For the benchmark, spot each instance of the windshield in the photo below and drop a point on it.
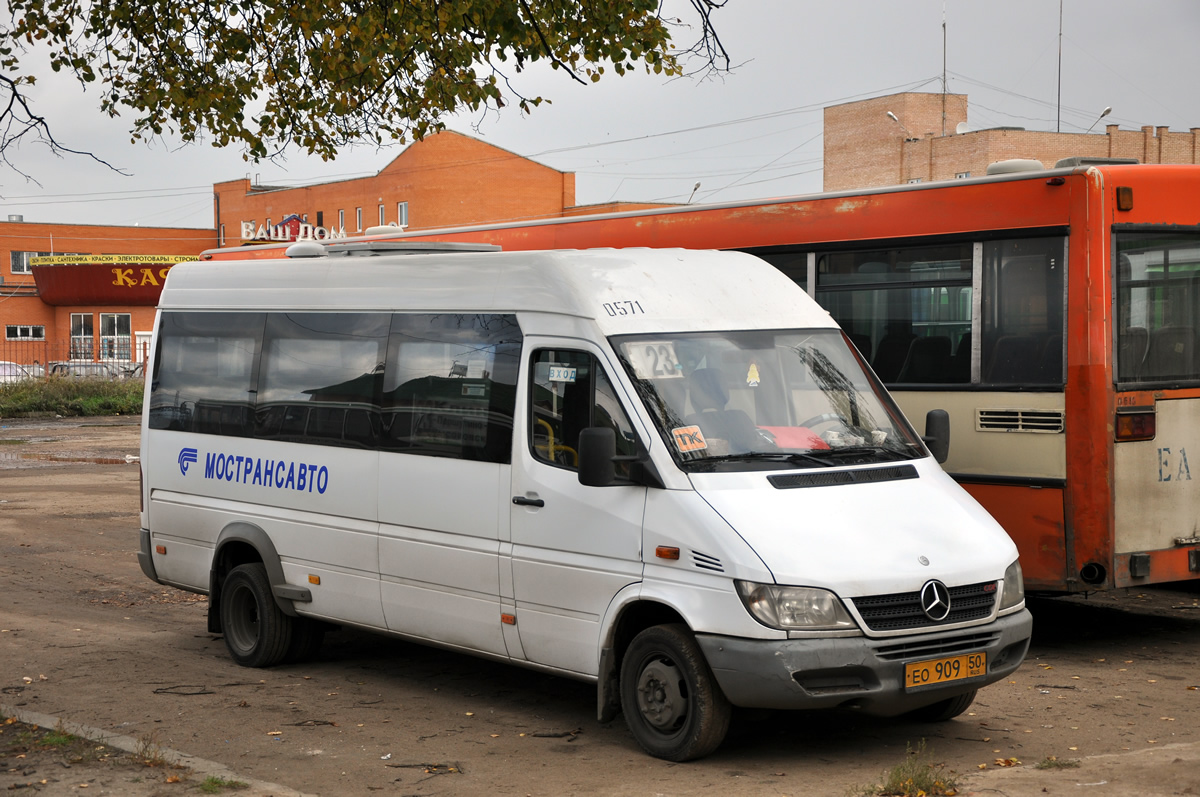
(765, 399)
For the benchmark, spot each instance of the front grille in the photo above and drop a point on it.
(902, 610)
(932, 648)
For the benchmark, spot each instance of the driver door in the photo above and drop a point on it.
(573, 547)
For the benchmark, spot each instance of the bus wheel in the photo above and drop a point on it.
(257, 633)
(307, 636)
(672, 704)
(943, 710)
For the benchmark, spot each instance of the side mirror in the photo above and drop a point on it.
(937, 434)
(597, 447)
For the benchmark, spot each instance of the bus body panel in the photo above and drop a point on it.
(1008, 435)
(439, 543)
(1156, 492)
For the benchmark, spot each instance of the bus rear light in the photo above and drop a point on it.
(1135, 426)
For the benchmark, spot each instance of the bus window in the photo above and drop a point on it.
(907, 310)
(204, 373)
(1022, 308)
(320, 378)
(450, 388)
(1158, 295)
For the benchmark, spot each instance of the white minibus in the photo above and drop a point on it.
(666, 472)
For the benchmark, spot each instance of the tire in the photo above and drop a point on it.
(307, 636)
(671, 701)
(257, 633)
(943, 710)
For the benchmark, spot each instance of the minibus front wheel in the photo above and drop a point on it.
(671, 701)
(257, 633)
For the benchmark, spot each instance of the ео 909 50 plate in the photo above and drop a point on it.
(939, 671)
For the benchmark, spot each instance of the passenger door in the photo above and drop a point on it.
(572, 547)
(446, 434)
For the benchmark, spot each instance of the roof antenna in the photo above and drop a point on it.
(695, 188)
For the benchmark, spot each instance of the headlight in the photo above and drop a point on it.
(794, 608)
(1014, 586)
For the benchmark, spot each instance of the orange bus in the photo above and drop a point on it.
(1053, 313)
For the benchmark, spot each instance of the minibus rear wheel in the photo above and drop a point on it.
(257, 633)
(671, 701)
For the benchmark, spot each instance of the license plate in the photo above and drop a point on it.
(940, 671)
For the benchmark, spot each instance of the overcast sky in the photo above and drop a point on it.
(755, 132)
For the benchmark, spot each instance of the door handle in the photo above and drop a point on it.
(521, 500)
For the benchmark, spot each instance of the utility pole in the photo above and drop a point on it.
(1059, 128)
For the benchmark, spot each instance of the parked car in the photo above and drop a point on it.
(84, 369)
(12, 372)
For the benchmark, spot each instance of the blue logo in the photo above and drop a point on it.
(186, 457)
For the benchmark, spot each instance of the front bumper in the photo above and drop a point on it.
(858, 672)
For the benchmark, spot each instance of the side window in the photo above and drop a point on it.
(320, 378)
(907, 310)
(204, 373)
(451, 385)
(1022, 308)
(571, 392)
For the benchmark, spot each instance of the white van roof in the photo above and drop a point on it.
(622, 290)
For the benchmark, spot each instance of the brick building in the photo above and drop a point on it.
(75, 292)
(865, 147)
(446, 180)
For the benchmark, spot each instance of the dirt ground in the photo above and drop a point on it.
(87, 642)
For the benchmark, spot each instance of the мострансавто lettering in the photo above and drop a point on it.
(300, 476)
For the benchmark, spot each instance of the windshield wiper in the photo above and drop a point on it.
(861, 450)
(769, 456)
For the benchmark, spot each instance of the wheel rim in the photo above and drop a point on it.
(661, 698)
(243, 615)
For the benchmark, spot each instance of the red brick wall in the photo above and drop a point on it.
(863, 145)
(448, 179)
(864, 148)
(24, 306)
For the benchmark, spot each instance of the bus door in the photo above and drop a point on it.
(446, 436)
(573, 547)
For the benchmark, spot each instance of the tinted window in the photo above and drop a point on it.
(320, 377)
(907, 310)
(450, 387)
(204, 372)
(438, 385)
(1023, 302)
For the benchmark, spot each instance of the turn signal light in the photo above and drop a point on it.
(666, 552)
(1124, 197)
(1135, 426)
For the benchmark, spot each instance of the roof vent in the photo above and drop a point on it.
(305, 249)
(391, 228)
(1015, 165)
